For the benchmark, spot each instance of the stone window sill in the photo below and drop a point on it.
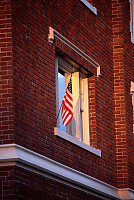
(75, 141)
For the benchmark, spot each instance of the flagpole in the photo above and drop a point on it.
(61, 103)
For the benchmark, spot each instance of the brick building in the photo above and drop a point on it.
(42, 42)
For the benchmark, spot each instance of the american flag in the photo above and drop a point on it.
(67, 105)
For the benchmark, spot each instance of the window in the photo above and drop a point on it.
(79, 125)
(80, 80)
(132, 19)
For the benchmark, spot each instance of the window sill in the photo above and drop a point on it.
(75, 141)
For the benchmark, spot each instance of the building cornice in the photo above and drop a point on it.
(11, 154)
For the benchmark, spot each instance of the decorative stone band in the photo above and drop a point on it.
(53, 33)
(11, 154)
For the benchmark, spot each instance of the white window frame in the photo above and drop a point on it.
(80, 121)
(132, 20)
(51, 36)
(81, 138)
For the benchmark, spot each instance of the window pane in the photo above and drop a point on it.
(61, 84)
(79, 125)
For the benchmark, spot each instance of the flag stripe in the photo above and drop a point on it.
(68, 99)
(67, 105)
(66, 116)
(67, 120)
(68, 96)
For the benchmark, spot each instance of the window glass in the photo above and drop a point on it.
(79, 125)
(61, 88)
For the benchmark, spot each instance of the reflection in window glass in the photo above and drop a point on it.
(61, 83)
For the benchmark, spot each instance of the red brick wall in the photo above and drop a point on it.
(123, 51)
(34, 80)
(18, 183)
(129, 76)
(32, 68)
(7, 183)
(6, 74)
(92, 113)
(119, 91)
